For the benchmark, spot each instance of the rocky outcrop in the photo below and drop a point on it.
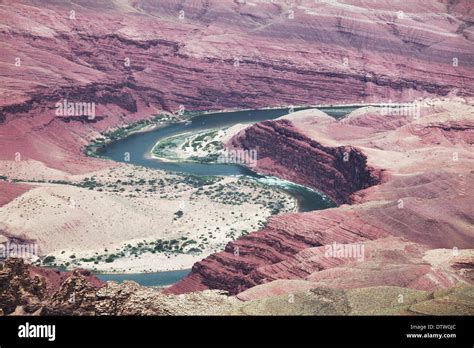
(18, 289)
(424, 207)
(286, 153)
(32, 290)
(24, 292)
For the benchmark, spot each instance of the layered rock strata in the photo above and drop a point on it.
(23, 293)
(138, 58)
(423, 203)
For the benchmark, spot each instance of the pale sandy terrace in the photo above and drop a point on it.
(67, 220)
(186, 147)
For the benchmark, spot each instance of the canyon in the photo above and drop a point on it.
(409, 199)
(403, 185)
(137, 58)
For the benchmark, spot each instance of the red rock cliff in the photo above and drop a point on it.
(136, 58)
(284, 152)
(399, 221)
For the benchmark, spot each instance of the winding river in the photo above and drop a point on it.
(139, 146)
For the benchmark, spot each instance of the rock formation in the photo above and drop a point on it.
(18, 289)
(138, 58)
(31, 290)
(27, 290)
(422, 206)
(407, 181)
(338, 171)
(23, 293)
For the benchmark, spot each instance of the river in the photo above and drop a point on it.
(139, 146)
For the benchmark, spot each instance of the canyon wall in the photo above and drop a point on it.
(412, 227)
(288, 154)
(134, 59)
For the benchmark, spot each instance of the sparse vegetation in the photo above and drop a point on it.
(49, 260)
(187, 147)
(93, 148)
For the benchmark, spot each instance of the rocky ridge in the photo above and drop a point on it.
(27, 290)
(22, 293)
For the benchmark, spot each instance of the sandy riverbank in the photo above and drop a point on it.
(85, 220)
